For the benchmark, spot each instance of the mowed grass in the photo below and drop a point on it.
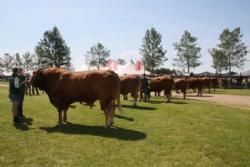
(240, 92)
(181, 133)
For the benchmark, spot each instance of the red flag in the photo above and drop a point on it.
(112, 65)
(138, 65)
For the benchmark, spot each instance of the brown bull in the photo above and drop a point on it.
(210, 82)
(196, 83)
(130, 84)
(162, 83)
(181, 84)
(65, 88)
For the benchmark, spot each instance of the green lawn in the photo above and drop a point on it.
(241, 92)
(181, 133)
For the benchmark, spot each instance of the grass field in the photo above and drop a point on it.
(240, 92)
(181, 133)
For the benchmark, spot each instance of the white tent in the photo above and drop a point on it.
(130, 68)
(245, 73)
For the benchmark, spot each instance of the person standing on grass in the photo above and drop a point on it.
(22, 92)
(145, 90)
(15, 94)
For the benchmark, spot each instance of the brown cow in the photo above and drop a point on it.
(215, 82)
(196, 83)
(130, 84)
(210, 82)
(65, 88)
(181, 84)
(162, 83)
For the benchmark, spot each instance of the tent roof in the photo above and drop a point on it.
(206, 73)
(245, 73)
(129, 68)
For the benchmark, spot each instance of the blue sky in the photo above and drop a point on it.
(121, 24)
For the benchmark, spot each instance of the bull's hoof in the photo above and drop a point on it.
(106, 126)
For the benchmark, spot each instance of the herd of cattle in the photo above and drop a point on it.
(64, 88)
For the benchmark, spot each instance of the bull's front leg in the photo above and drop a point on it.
(65, 115)
(59, 116)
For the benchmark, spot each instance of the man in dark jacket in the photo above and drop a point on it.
(145, 86)
(14, 94)
(22, 92)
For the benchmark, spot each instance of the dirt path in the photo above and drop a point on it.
(243, 101)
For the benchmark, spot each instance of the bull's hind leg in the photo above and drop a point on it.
(105, 106)
(109, 113)
(168, 96)
(112, 112)
(135, 96)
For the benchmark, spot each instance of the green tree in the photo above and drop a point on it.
(97, 56)
(219, 60)
(121, 61)
(52, 50)
(165, 71)
(188, 53)
(1, 63)
(233, 48)
(18, 61)
(29, 61)
(8, 62)
(152, 51)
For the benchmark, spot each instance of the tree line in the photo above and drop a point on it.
(52, 51)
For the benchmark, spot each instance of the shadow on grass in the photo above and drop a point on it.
(161, 102)
(123, 117)
(24, 125)
(190, 95)
(138, 107)
(113, 132)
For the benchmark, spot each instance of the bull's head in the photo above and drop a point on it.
(38, 79)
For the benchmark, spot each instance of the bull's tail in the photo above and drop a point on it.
(118, 97)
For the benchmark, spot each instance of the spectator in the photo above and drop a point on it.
(145, 88)
(22, 92)
(14, 94)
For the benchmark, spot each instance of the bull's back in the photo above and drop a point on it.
(161, 83)
(89, 85)
(130, 84)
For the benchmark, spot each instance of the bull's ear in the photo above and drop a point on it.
(39, 71)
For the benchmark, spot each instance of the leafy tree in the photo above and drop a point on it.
(8, 62)
(152, 50)
(29, 61)
(121, 61)
(233, 48)
(165, 71)
(1, 62)
(188, 53)
(97, 56)
(219, 60)
(18, 62)
(52, 50)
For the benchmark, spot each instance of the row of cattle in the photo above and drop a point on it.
(132, 84)
(64, 88)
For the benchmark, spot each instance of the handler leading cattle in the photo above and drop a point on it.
(64, 88)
